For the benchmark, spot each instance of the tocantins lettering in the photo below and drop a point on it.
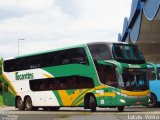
(24, 76)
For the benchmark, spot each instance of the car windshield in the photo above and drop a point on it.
(127, 53)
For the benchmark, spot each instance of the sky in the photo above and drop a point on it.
(41, 25)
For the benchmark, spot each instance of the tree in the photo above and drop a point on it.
(1, 60)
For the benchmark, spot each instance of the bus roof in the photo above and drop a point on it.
(52, 50)
(64, 48)
(109, 42)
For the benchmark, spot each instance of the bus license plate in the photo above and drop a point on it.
(138, 103)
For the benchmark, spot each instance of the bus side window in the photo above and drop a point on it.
(63, 85)
(84, 82)
(9, 65)
(72, 82)
(102, 74)
(111, 76)
(52, 85)
(43, 86)
(79, 56)
(118, 52)
(151, 74)
(35, 62)
(159, 73)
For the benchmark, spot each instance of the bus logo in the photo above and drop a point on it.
(24, 76)
(134, 66)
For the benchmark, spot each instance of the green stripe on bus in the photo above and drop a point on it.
(80, 97)
(8, 86)
(58, 97)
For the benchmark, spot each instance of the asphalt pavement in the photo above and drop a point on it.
(130, 113)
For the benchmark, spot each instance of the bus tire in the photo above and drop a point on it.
(92, 103)
(153, 101)
(86, 101)
(28, 104)
(120, 108)
(19, 103)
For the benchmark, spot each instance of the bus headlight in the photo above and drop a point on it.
(149, 100)
(122, 101)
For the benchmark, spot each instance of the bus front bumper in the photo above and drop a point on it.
(133, 100)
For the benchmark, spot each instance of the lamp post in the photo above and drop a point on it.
(18, 45)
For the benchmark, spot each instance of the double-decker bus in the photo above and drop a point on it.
(154, 83)
(88, 75)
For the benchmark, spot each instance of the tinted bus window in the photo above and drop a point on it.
(9, 65)
(21, 64)
(127, 53)
(63, 57)
(107, 75)
(159, 73)
(151, 74)
(100, 52)
(63, 83)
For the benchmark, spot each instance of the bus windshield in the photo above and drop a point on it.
(127, 53)
(133, 79)
(130, 79)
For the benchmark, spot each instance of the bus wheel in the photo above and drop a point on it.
(92, 103)
(28, 104)
(153, 101)
(121, 108)
(19, 104)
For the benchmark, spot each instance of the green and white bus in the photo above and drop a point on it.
(89, 75)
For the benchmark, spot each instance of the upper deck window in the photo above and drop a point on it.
(127, 53)
(57, 58)
(100, 52)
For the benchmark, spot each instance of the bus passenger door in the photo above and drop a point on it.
(107, 77)
(111, 82)
(110, 96)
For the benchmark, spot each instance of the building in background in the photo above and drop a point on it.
(143, 28)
